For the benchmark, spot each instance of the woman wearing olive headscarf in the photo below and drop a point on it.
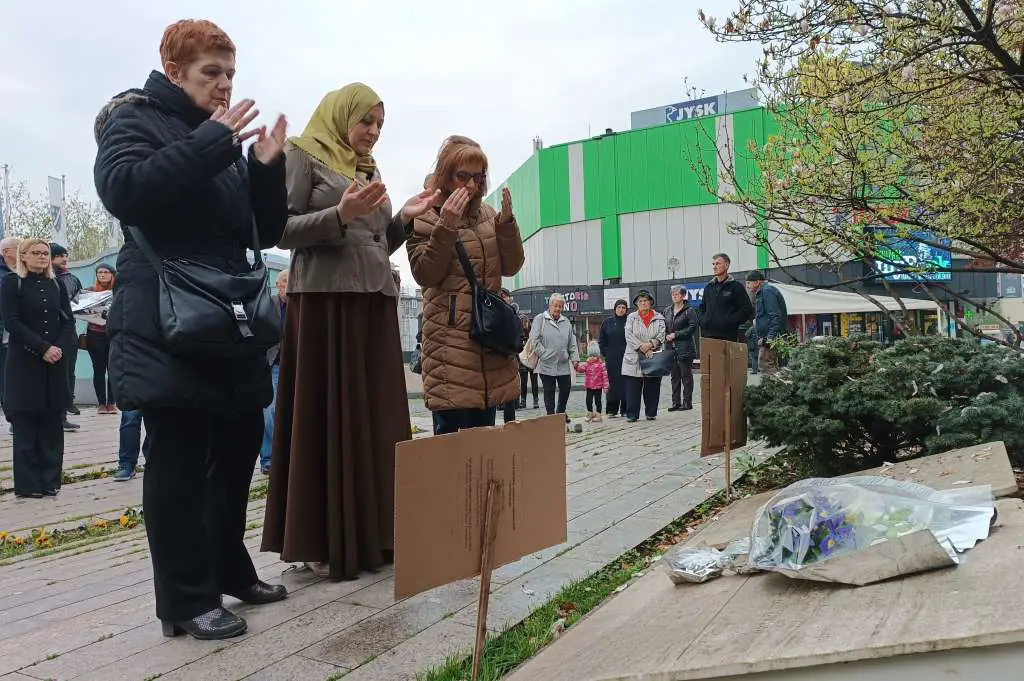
(341, 403)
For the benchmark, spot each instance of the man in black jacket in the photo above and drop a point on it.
(69, 343)
(725, 305)
(9, 251)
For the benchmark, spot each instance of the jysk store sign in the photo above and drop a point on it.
(697, 108)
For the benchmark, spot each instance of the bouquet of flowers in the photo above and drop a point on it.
(816, 520)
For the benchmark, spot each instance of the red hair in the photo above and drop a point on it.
(456, 151)
(185, 40)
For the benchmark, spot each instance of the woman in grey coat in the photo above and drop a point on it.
(645, 335)
(555, 343)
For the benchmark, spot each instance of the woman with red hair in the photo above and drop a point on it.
(170, 167)
(97, 346)
(463, 382)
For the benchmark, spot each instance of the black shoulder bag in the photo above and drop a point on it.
(495, 324)
(206, 311)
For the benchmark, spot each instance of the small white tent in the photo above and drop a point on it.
(804, 301)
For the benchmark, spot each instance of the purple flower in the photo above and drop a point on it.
(837, 536)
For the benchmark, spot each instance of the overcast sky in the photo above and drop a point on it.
(499, 72)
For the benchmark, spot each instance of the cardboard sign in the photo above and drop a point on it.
(721, 364)
(440, 494)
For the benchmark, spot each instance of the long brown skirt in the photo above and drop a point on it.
(341, 407)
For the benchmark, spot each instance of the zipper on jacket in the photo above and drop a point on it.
(451, 309)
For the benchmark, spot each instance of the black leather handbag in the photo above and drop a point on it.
(206, 311)
(660, 363)
(495, 324)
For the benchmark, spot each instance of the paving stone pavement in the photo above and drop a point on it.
(87, 613)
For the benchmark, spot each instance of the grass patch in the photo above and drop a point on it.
(43, 542)
(514, 646)
(258, 491)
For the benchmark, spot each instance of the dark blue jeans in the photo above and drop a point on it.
(130, 439)
(454, 420)
(268, 421)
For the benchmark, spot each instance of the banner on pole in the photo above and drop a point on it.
(55, 191)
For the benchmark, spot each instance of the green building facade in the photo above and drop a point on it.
(634, 206)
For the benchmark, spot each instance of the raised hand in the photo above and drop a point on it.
(358, 201)
(419, 204)
(238, 118)
(454, 207)
(506, 206)
(268, 147)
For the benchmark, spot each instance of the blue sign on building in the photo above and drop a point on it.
(928, 262)
(696, 108)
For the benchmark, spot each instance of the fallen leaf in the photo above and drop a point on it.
(962, 482)
(1001, 379)
(566, 609)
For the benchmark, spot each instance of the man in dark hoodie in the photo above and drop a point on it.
(69, 344)
(725, 305)
(8, 262)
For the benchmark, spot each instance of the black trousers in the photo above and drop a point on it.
(647, 388)
(616, 396)
(563, 383)
(38, 450)
(3, 372)
(510, 410)
(99, 353)
(532, 375)
(454, 420)
(682, 382)
(194, 496)
(594, 400)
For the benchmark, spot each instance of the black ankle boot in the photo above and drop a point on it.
(261, 593)
(213, 625)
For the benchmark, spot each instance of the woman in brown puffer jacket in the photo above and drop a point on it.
(463, 383)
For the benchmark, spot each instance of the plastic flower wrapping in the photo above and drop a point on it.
(855, 530)
(819, 519)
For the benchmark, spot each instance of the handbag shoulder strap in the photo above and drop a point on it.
(467, 267)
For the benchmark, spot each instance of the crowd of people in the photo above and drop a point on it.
(309, 382)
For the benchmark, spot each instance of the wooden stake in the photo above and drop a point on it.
(728, 423)
(488, 533)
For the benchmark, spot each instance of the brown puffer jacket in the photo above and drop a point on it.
(457, 372)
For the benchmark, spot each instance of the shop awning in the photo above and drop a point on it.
(801, 300)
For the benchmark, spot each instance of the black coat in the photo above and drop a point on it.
(180, 178)
(36, 314)
(4, 271)
(612, 341)
(684, 325)
(724, 307)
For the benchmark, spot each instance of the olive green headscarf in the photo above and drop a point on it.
(326, 135)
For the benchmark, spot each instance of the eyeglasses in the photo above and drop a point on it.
(38, 254)
(463, 176)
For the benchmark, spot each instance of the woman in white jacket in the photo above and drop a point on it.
(554, 341)
(645, 335)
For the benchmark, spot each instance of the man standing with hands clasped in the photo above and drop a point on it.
(725, 305)
(770, 321)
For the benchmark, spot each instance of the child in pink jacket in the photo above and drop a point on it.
(595, 375)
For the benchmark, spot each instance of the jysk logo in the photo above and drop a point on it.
(688, 110)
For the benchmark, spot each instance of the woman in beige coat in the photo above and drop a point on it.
(342, 402)
(463, 383)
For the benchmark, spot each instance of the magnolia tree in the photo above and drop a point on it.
(894, 120)
(85, 232)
